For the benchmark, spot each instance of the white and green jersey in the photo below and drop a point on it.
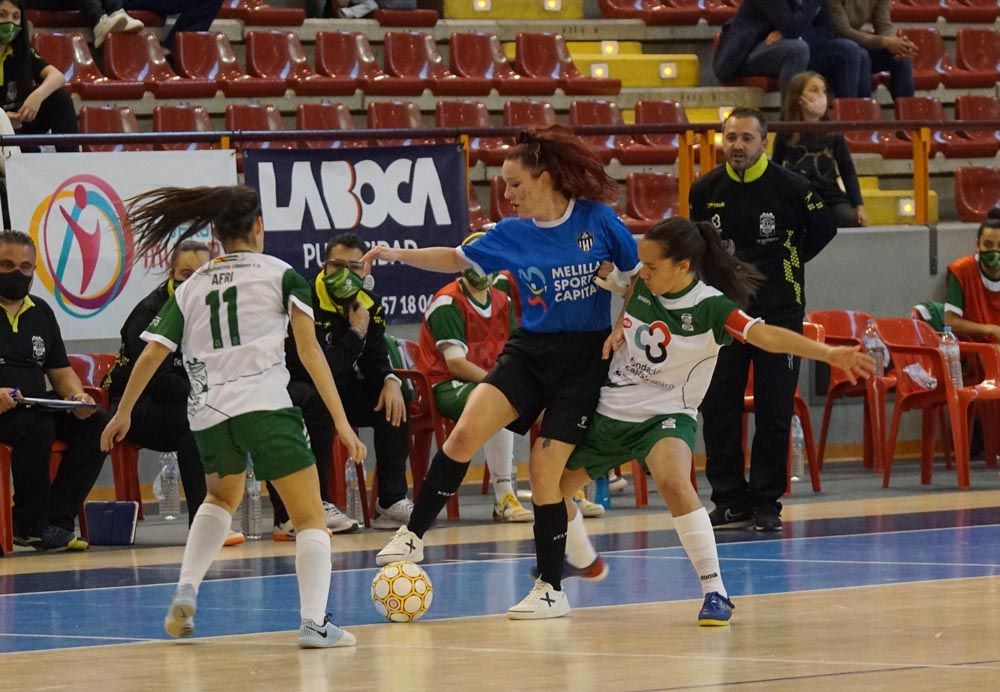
(230, 320)
(671, 344)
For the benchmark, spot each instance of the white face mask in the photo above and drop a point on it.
(816, 107)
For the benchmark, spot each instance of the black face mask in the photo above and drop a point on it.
(14, 285)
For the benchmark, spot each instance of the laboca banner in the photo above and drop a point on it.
(73, 206)
(407, 197)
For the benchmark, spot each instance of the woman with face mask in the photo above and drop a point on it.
(820, 157)
(32, 95)
(973, 300)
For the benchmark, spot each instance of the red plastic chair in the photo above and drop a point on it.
(473, 114)
(106, 119)
(546, 55)
(977, 190)
(69, 53)
(326, 116)
(279, 55)
(970, 108)
(899, 145)
(663, 147)
(528, 114)
(139, 58)
(500, 207)
(348, 54)
(480, 55)
(650, 198)
(417, 17)
(914, 342)
(209, 55)
(477, 216)
(625, 148)
(978, 51)
(654, 12)
(932, 62)
(259, 13)
(973, 11)
(383, 115)
(182, 119)
(918, 10)
(414, 55)
(255, 117)
(861, 141)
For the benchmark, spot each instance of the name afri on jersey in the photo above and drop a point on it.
(222, 278)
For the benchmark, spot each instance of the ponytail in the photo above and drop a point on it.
(575, 169)
(155, 216)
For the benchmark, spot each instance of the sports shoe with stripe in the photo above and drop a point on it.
(541, 603)
(716, 611)
(179, 621)
(337, 521)
(404, 546)
(394, 516)
(589, 509)
(283, 531)
(509, 508)
(325, 636)
(52, 539)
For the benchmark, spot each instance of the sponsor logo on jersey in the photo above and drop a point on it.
(534, 279)
(669, 424)
(687, 322)
(585, 241)
(653, 339)
(767, 224)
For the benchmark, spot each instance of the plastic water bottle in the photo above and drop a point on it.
(601, 494)
(590, 490)
(952, 356)
(354, 510)
(170, 490)
(798, 450)
(250, 509)
(873, 347)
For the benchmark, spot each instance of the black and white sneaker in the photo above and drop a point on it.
(767, 518)
(52, 539)
(729, 518)
(325, 636)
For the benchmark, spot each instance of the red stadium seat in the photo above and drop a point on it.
(414, 55)
(473, 114)
(499, 206)
(720, 11)
(977, 190)
(918, 10)
(978, 50)
(259, 13)
(208, 55)
(421, 17)
(279, 55)
(948, 142)
(326, 116)
(348, 54)
(971, 108)
(385, 115)
(622, 147)
(139, 58)
(654, 12)
(477, 217)
(106, 119)
(649, 198)
(480, 55)
(170, 118)
(528, 114)
(546, 55)
(974, 11)
(70, 54)
(931, 62)
(660, 112)
(861, 141)
(254, 117)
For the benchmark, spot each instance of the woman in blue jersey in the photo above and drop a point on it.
(230, 319)
(554, 362)
(682, 310)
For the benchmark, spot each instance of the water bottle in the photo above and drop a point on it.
(250, 509)
(354, 510)
(873, 347)
(590, 490)
(601, 494)
(170, 479)
(798, 450)
(952, 356)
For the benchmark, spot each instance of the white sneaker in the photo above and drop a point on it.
(541, 603)
(589, 509)
(325, 636)
(109, 24)
(509, 508)
(337, 521)
(283, 532)
(392, 517)
(404, 546)
(179, 621)
(132, 25)
(617, 485)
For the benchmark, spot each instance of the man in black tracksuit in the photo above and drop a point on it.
(770, 217)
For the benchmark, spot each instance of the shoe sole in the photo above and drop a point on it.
(178, 622)
(387, 524)
(768, 529)
(347, 639)
(233, 541)
(547, 614)
(500, 519)
(734, 525)
(350, 529)
(713, 623)
(282, 538)
(383, 560)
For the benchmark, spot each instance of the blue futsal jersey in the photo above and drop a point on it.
(555, 264)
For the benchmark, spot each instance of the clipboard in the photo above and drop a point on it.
(53, 404)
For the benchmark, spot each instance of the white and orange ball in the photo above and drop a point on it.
(402, 591)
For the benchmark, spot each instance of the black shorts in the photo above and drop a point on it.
(560, 374)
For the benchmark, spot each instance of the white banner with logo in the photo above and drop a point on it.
(73, 206)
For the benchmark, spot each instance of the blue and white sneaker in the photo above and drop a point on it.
(325, 636)
(716, 611)
(180, 617)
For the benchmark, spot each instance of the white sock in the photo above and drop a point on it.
(579, 551)
(499, 453)
(695, 531)
(208, 531)
(312, 567)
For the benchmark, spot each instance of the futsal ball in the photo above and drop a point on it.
(402, 592)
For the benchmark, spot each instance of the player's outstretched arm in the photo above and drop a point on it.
(311, 355)
(780, 340)
(145, 367)
(436, 259)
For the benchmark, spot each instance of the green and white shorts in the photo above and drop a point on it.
(277, 442)
(451, 397)
(610, 442)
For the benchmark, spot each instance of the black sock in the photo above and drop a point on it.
(442, 481)
(550, 542)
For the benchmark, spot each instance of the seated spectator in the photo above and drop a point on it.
(764, 38)
(465, 328)
(888, 50)
(32, 96)
(844, 64)
(160, 418)
(972, 307)
(192, 15)
(104, 16)
(350, 326)
(821, 157)
(31, 349)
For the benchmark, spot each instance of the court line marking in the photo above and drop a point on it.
(80, 636)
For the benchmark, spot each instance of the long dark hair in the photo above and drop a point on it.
(575, 169)
(230, 211)
(681, 239)
(19, 62)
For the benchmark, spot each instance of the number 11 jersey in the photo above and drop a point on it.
(230, 320)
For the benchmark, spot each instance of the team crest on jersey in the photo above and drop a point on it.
(585, 241)
(653, 339)
(767, 224)
(669, 424)
(687, 322)
(38, 348)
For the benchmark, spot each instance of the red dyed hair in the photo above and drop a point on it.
(574, 167)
